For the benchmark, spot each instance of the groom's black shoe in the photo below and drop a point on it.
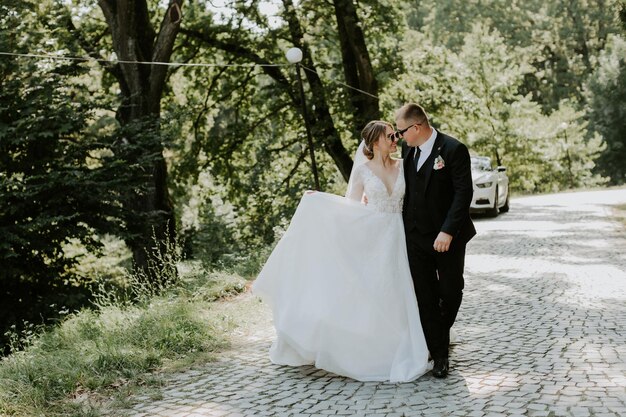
(440, 370)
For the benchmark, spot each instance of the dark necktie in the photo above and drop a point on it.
(416, 156)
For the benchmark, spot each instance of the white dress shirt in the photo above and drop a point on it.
(426, 148)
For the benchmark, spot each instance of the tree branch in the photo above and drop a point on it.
(108, 9)
(245, 53)
(205, 106)
(92, 51)
(295, 167)
(285, 146)
(242, 84)
(163, 46)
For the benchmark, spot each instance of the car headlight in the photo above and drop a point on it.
(484, 184)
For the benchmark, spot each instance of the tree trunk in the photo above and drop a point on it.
(134, 39)
(357, 65)
(323, 127)
(324, 131)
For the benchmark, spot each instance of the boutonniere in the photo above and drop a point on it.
(439, 163)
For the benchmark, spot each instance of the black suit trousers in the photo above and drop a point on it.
(438, 282)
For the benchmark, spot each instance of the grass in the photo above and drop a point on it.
(96, 359)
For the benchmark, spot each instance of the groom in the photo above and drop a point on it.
(437, 224)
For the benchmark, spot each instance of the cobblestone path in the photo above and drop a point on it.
(542, 332)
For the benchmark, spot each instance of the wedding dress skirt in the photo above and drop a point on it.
(341, 292)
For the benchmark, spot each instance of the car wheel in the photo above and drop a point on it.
(493, 212)
(505, 207)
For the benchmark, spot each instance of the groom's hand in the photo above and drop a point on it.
(442, 243)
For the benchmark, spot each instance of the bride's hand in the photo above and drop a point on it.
(310, 191)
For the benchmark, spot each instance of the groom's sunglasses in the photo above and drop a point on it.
(398, 134)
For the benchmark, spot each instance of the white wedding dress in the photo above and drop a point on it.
(340, 288)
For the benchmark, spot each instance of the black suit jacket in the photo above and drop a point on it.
(448, 190)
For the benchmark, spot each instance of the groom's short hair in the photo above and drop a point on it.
(412, 112)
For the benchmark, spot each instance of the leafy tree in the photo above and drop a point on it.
(53, 187)
(133, 38)
(562, 38)
(249, 129)
(475, 95)
(569, 155)
(606, 92)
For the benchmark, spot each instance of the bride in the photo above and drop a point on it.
(338, 282)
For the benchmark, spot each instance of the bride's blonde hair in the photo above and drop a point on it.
(371, 133)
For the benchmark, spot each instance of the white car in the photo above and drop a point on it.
(491, 187)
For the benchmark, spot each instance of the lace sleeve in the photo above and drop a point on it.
(356, 182)
(355, 190)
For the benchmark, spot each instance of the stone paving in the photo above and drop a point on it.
(542, 332)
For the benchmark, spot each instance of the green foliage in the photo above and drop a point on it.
(606, 92)
(562, 38)
(118, 345)
(569, 155)
(245, 130)
(205, 233)
(476, 94)
(67, 172)
(49, 192)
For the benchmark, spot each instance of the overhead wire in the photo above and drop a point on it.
(172, 64)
